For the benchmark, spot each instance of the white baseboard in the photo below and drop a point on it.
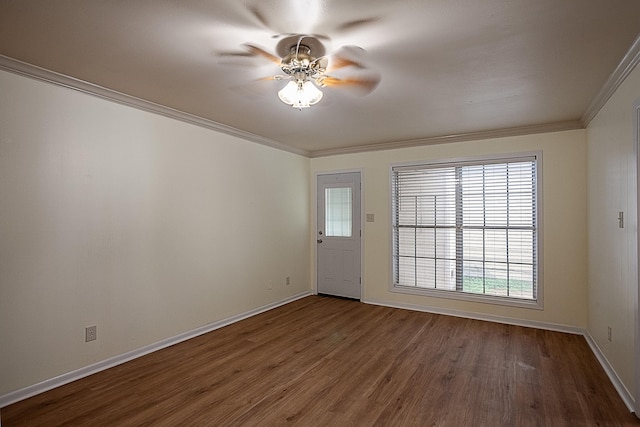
(626, 397)
(63, 379)
(58, 381)
(480, 316)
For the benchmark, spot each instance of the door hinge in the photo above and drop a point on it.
(361, 280)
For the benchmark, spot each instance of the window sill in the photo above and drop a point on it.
(465, 296)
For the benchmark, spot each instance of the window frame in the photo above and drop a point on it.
(537, 303)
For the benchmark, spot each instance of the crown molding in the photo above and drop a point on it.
(471, 136)
(32, 71)
(622, 71)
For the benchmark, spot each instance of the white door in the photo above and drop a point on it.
(338, 235)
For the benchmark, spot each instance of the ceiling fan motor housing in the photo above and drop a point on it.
(300, 64)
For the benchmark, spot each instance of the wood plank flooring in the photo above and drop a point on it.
(323, 361)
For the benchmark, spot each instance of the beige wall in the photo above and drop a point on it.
(564, 235)
(612, 251)
(148, 227)
(144, 226)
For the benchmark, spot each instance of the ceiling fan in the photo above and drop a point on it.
(304, 64)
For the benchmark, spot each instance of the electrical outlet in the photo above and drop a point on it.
(287, 280)
(90, 334)
(609, 333)
(270, 285)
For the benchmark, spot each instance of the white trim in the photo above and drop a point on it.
(492, 157)
(622, 71)
(63, 379)
(611, 373)
(31, 71)
(636, 139)
(446, 139)
(466, 296)
(338, 171)
(626, 397)
(481, 316)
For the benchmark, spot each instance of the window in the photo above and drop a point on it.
(468, 229)
(337, 202)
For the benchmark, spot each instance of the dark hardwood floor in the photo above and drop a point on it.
(322, 361)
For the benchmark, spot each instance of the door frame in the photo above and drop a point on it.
(636, 141)
(313, 239)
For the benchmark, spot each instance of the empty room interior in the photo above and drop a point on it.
(319, 212)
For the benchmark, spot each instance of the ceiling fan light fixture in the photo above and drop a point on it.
(300, 94)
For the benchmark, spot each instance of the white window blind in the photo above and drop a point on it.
(467, 227)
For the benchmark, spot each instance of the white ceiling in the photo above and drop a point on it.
(447, 68)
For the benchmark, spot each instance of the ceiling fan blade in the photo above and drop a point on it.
(346, 57)
(258, 51)
(336, 62)
(322, 62)
(316, 36)
(320, 36)
(348, 26)
(259, 16)
(276, 77)
(364, 85)
(236, 58)
(233, 53)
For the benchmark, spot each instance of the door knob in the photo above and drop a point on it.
(319, 240)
